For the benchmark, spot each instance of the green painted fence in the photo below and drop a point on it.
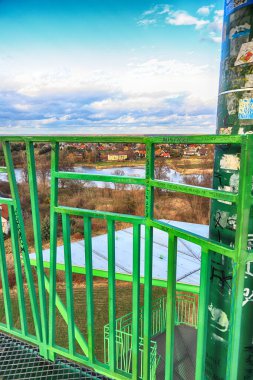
(186, 314)
(45, 322)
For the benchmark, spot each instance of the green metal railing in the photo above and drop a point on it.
(186, 310)
(186, 314)
(124, 333)
(45, 322)
(124, 353)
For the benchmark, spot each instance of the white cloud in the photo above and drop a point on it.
(165, 14)
(181, 18)
(22, 106)
(158, 9)
(217, 22)
(215, 26)
(207, 19)
(165, 8)
(215, 38)
(154, 15)
(145, 22)
(205, 10)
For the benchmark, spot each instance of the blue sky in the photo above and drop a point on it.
(107, 66)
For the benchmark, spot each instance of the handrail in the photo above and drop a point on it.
(159, 139)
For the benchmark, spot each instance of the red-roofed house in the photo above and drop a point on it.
(5, 219)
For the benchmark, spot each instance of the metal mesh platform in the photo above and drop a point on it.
(19, 360)
(184, 353)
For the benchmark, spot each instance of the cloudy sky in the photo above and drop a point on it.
(109, 66)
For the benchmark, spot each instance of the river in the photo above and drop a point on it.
(136, 171)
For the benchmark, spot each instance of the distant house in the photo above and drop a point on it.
(191, 152)
(140, 153)
(5, 219)
(165, 155)
(202, 152)
(158, 152)
(117, 157)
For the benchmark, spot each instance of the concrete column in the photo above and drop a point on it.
(235, 116)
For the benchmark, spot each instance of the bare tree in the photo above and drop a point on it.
(67, 162)
(119, 186)
(161, 173)
(199, 206)
(43, 171)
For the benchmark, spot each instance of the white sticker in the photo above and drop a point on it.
(226, 131)
(245, 109)
(219, 318)
(230, 162)
(245, 54)
(249, 80)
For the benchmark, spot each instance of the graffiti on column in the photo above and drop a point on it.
(234, 116)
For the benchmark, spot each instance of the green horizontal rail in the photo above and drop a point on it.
(100, 214)
(160, 139)
(196, 139)
(6, 201)
(101, 178)
(3, 170)
(180, 286)
(16, 332)
(195, 190)
(189, 189)
(194, 238)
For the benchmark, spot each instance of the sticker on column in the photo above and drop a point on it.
(232, 5)
(232, 104)
(225, 221)
(219, 318)
(247, 296)
(249, 80)
(245, 54)
(225, 131)
(245, 109)
(230, 162)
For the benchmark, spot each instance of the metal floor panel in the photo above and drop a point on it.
(19, 360)
(184, 353)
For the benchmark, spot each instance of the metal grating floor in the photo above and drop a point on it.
(184, 353)
(19, 360)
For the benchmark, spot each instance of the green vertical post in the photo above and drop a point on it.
(89, 288)
(136, 301)
(149, 207)
(229, 350)
(202, 314)
(112, 294)
(53, 244)
(32, 178)
(5, 281)
(171, 306)
(69, 282)
(18, 271)
(238, 284)
(23, 240)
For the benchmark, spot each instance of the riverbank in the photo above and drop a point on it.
(185, 166)
(111, 164)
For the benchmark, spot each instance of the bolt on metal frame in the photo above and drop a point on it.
(45, 324)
